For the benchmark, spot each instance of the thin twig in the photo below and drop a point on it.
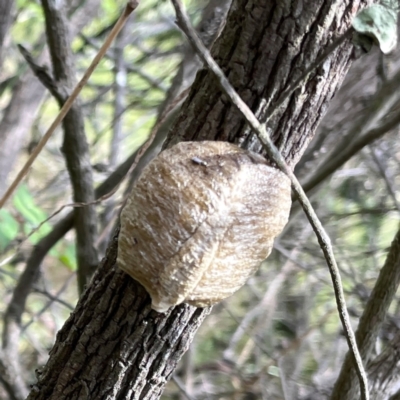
(362, 133)
(153, 82)
(130, 7)
(75, 147)
(273, 152)
(43, 74)
(385, 175)
(53, 299)
(181, 387)
(372, 320)
(72, 205)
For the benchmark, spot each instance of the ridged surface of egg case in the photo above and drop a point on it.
(200, 220)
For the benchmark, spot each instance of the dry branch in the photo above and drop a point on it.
(364, 131)
(131, 6)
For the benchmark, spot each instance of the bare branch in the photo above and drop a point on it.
(30, 275)
(52, 299)
(44, 76)
(362, 133)
(371, 320)
(75, 147)
(27, 96)
(131, 6)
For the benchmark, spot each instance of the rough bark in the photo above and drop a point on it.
(113, 346)
(213, 20)
(264, 49)
(106, 324)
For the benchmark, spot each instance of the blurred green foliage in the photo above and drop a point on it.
(357, 211)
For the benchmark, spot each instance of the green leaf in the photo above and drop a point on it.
(68, 257)
(8, 228)
(380, 23)
(25, 204)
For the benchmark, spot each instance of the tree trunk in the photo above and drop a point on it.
(114, 346)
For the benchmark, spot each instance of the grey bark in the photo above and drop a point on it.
(213, 20)
(113, 346)
(260, 80)
(75, 147)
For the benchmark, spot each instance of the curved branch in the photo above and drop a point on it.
(371, 321)
(75, 146)
(361, 134)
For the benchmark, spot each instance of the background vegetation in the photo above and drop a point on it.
(279, 337)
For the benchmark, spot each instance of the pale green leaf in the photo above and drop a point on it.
(380, 23)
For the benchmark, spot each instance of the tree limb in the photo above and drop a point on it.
(131, 6)
(26, 98)
(75, 147)
(362, 133)
(371, 322)
(275, 155)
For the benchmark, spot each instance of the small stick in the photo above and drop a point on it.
(130, 7)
